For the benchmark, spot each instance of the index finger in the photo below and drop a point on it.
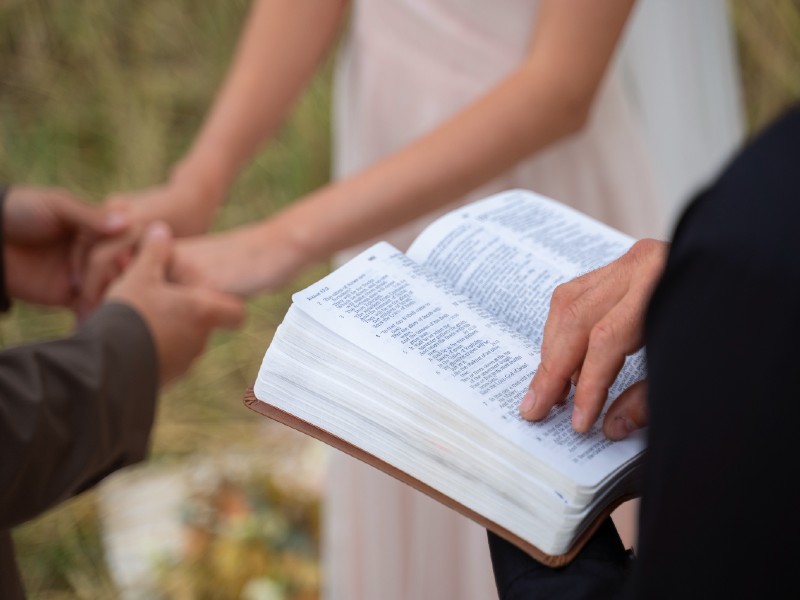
(563, 348)
(616, 335)
(574, 309)
(104, 264)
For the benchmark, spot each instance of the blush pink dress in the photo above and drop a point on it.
(405, 66)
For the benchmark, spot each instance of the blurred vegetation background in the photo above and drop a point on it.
(104, 95)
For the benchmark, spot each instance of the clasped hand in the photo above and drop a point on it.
(245, 260)
(595, 321)
(48, 235)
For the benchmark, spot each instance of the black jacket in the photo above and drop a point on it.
(719, 514)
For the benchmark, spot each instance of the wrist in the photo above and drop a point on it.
(205, 176)
(277, 245)
(188, 202)
(309, 227)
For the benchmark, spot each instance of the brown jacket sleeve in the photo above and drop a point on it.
(74, 410)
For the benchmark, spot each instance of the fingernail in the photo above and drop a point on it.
(620, 428)
(116, 220)
(528, 402)
(577, 419)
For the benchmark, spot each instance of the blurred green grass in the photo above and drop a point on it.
(103, 95)
(768, 39)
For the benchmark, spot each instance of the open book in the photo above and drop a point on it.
(416, 363)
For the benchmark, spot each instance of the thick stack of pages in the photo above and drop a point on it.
(416, 363)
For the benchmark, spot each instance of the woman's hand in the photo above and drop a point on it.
(243, 261)
(187, 203)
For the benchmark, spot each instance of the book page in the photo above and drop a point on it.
(509, 252)
(397, 310)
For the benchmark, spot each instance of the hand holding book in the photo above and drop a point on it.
(594, 322)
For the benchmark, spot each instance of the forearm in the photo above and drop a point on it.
(546, 99)
(73, 411)
(281, 45)
(469, 150)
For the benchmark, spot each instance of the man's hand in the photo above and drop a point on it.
(180, 318)
(46, 230)
(183, 203)
(595, 321)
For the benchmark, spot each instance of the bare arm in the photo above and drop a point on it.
(280, 47)
(545, 99)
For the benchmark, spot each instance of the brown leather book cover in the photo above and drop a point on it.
(550, 560)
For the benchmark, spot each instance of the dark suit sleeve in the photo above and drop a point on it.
(719, 512)
(597, 572)
(718, 516)
(74, 410)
